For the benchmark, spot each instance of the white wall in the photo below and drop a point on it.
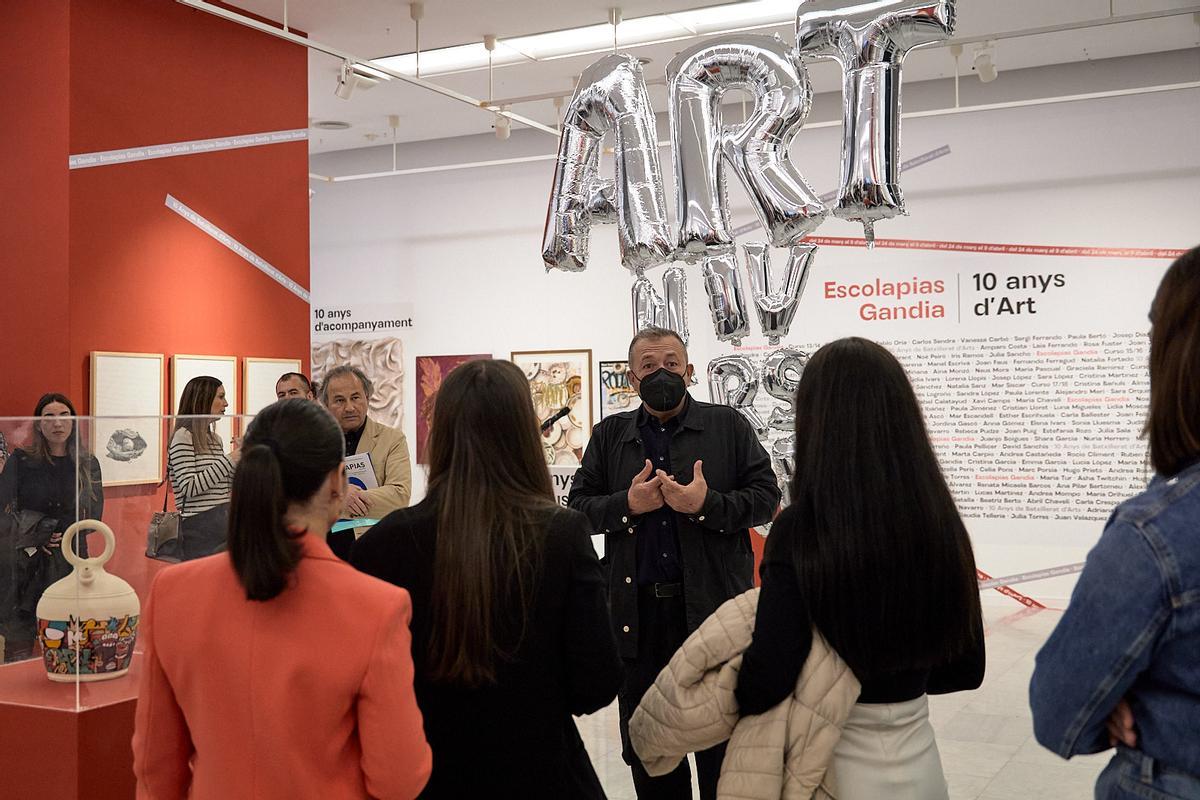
(464, 247)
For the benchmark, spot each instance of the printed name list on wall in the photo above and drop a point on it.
(368, 336)
(1031, 370)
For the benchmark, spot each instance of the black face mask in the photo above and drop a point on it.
(662, 390)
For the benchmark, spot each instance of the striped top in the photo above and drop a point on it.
(200, 480)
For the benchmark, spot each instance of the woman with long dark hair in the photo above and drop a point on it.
(1123, 665)
(57, 478)
(276, 669)
(872, 553)
(510, 625)
(199, 468)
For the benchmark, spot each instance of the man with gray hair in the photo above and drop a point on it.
(346, 391)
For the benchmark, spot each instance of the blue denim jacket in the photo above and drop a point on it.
(1132, 630)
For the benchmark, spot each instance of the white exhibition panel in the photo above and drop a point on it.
(463, 248)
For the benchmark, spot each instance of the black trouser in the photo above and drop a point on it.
(205, 533)
(662, 627)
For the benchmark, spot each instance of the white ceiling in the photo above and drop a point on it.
(374, 28)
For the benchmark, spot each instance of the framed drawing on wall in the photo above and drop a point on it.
(259, 376)
(616, 395)
(560, 379)
(127, 401)
(224, 369)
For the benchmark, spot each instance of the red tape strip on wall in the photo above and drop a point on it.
(1003, 249)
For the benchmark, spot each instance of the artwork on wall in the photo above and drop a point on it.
(431, 371)
(616, 395)
(224, 369)
(130, 386)
(383, 362)
(259, 376)
(561, 379)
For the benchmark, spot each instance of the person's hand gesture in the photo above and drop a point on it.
(1120, 725)
(685, 499)
(356, 502)
(645, 495)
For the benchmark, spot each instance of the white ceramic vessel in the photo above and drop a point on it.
(87, 622)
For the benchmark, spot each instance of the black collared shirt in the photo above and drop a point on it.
(657, 534)
(353, 437)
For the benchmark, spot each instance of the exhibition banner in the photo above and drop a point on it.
(368, 336)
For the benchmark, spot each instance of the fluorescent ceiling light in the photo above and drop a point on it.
(654, 29)
(370, 72)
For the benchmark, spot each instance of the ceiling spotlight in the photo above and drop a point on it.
(985, 62)
(503, 125)
(355, 76)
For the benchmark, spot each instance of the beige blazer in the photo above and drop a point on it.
(783, 753)
(393, 469)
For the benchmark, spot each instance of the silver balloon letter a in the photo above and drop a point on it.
(777, 304)
(869, 40)
(668, 310)
(611, 97)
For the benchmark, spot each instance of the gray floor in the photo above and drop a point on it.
(985, 737)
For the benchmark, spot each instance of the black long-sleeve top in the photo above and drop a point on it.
(783, 638)
(516, 738)
(50, 487)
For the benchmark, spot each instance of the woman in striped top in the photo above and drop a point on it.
(200, 469)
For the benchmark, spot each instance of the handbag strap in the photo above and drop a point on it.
(180, 501)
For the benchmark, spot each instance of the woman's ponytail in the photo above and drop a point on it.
(263, 552)
(290, 450)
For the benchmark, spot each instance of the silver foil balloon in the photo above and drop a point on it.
(777, 301)
(733, 381)
(783, 460)
(726, 298)
(781, 373)
(611, 98)
(602, 200)
(869, 40)
(756, 149)
(667, 310)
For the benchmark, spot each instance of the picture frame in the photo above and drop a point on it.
(558, 379)
(259, 376)
(613, 389)
(223, 368)
(126, 402)
(430, 372)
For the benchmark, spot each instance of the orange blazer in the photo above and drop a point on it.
(306, 695)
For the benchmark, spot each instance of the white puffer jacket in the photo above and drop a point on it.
(783, 753)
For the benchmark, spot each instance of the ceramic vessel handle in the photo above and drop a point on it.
(68, 540)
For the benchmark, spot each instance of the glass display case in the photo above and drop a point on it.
(88, 517)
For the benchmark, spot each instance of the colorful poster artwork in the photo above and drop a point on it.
(101, 646)
(560, 379)
(431, 371)
(616, 395)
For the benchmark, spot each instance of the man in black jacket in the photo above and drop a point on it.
(675, 486)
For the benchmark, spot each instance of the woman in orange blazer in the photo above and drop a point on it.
(276, 670)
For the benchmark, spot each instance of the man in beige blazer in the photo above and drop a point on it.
(346, 392)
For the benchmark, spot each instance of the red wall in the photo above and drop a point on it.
(34, 290)
(93, 259)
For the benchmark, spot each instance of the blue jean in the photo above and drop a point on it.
(1133, 774)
